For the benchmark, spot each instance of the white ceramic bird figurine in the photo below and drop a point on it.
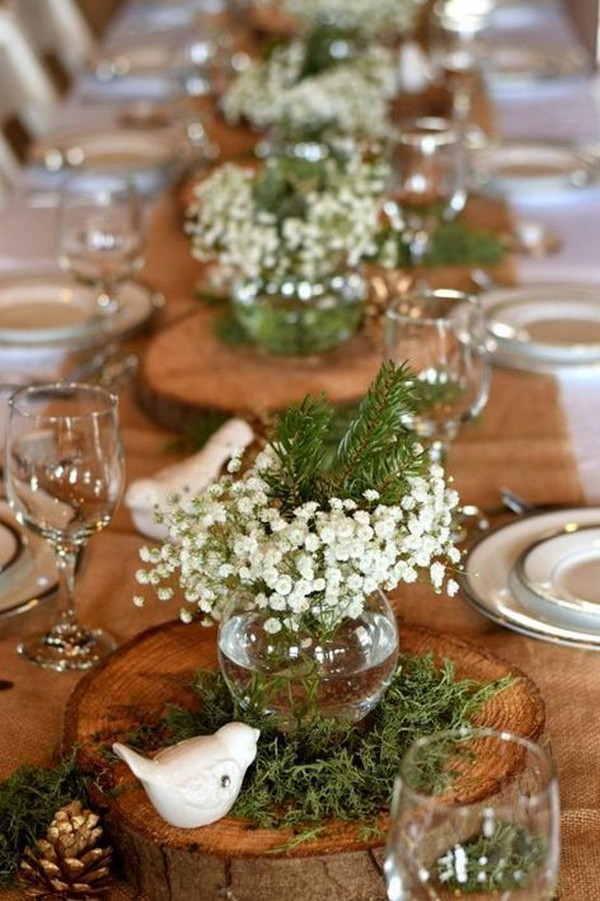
(196, 781)
(188, 477)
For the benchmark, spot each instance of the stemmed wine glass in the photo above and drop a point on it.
(427, 183)
(64, 475)
(101, 236)
(459, 43)
(475, 814)
(441, 334)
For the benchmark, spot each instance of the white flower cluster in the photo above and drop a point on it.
(338, 227)
(317, 566)
(364, 16)
(352, 95)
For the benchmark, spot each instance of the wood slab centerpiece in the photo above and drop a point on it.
(233, 858)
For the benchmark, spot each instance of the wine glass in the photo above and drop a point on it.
(427, 183)
(441, 334)
(100, 235)
(64, 476)
(475, 814)
(459, 42)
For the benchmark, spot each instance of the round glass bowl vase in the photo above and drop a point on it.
(297, 677)
(298, 317)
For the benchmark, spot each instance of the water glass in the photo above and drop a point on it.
(475, 814)
(100, 235)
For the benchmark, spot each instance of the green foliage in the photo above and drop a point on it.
(326, 769)
(501, 862)
(376, 451)
(29, 800)
(453, 244)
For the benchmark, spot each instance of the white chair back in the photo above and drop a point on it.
(57, 30)
(27, 95)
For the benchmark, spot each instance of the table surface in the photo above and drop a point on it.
(529, 437)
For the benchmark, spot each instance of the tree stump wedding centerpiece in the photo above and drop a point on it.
(289, 236)
(293, 557)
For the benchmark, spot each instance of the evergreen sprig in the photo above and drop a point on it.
(376, 450)
(300, 446)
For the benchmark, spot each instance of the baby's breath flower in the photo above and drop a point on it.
(314, 567)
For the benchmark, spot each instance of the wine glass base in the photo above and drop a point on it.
(60, 655)
(468, 522)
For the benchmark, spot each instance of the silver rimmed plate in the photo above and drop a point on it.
(514, 66)
(31, 576)
(144, 155)
(11, 546)
(539, 170)
(132, 59)
(562, 573)
(489, 577)
(49, 310)
(544, 324)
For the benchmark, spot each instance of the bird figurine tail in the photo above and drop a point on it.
(141, 767)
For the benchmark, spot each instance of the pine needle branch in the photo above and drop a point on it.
(378, 450)
(300, 447)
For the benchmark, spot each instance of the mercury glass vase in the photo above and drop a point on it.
(298, 317)
(297, 677)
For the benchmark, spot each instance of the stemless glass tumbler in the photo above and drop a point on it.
(64, 476)
(475, 814)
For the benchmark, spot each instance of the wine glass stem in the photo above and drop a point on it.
(438, 451)
(67, 630)
(107, 299)
(419, 246)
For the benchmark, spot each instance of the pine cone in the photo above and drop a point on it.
(70, 863)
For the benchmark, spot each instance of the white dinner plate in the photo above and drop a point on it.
(563, 572)
(11, 546)
(544, 324)
(513, 67)
(133, 59)
(49, 310)
(32, 575)
(538, 170)
(120, 152)
(488, 579)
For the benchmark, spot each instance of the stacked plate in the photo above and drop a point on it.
(27, 567)
(541, 576)
(541, 326)
(50, 311)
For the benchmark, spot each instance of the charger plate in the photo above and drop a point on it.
(544, 324)
(139, 681)
(490, 583)
(29, 574)
(50, 310)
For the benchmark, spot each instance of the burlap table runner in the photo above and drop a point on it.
(520, 440)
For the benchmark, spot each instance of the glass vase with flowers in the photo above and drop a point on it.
(291, 234)
(293, 557)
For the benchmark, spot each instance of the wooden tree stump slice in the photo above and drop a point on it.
(187, 369)
(231, 858)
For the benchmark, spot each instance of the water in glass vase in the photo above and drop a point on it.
(296, 678)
